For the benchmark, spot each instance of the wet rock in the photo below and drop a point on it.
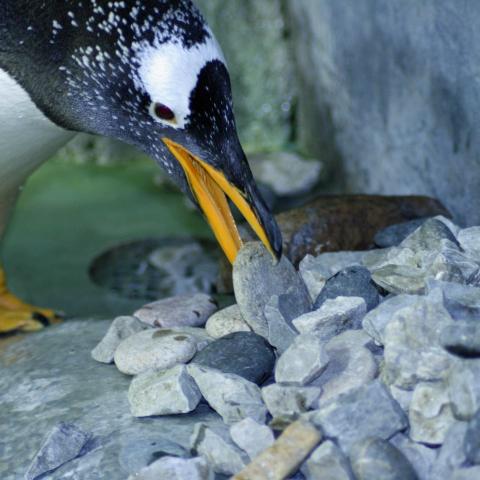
(220, 452)
(257, 278)
(287, 402)
(251, 437)
(327, 462)
(462, 339)
(376, 458)
(302, 362)
(395, 234)
(464, 388)
(120, 329)
(420, 457)
(64, 443)
(181, 311)
(284, 457)
(430, 414)
(471, 441)
(351, 365)
(241, 353)
(347, 222)
(153, 349)
(351, 282)
(333, 317)
(469, 239)
(166, 392)
(286, 173)
(231, 396)
(365, 412)
(315, 271)
(175, 468)
(228, 320)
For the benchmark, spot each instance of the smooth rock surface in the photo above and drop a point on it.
(225, 321)
(241, 353)
(154, 349)
(120, 329)
(365, 412)
(231, 396)
(256, 278)
(302, 362)
(376, 458)
(64, 443)
(181, 311)
(464, 388)
(471, 442)
(420, 456)
(462, 339)
(174, 468)
(165, 392)
(251, 436)
(327, 462)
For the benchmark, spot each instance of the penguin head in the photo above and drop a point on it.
(161, 83)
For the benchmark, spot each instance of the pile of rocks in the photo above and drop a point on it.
(361, 365)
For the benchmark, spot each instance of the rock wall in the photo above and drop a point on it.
(390, 95)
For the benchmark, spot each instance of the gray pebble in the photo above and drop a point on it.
(395, 234)
(174, 468)
(251, 437)
(228, 320)
(464, 388)
(327, 462)
(471, 442)
(462, 339)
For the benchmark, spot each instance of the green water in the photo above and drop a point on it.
(68, 214)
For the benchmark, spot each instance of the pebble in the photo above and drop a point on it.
(231, 396)
(429, 236)
(228, 320)
(327, 462)
(180, 311)
(242, 353)
(256, 278)
(175, 468)
(166, 392)
(251, 436)
(365, 412)
(284, 457)
(471, 442)
(430, 413)
(461, 301)
(399, 279)
(287, 402)
(120, 329)
(302, 362)
(154, 349)
(353, 281)
(462, 339)
(315, 271)
(375, 458)
(464, 388)
(333, 317)
(221, 453)
(64, 443)
(395, 234)
(351, 365)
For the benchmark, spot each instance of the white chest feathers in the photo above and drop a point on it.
(27, 136)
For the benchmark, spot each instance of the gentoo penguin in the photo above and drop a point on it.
(147, 72)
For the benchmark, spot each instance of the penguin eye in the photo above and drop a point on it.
(161, 111)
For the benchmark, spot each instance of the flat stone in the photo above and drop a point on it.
(353, 281)
(462, 339)
(181, 311)
(333, 317)
(284, 457)
(393, 235)
(469, 239)
(376, 259)
(64, 443)
(378, 459)
(327, 462)
(464, 388)
(165, 392)
(120, 329)
(175, 468)
(231, 396)
(302, 362)
(315, 271)
(251, 437)
(287, 401)
(430, 413)
(221, 453)
(365, 412)
(399, 279)
(471, 442)
(256, 278)
(351, 365)
(241, 353)
(228, 320)
(154, 349)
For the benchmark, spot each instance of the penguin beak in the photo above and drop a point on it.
(211, 188)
